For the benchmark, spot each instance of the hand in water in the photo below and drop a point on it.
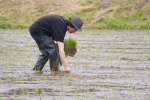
(67, 70)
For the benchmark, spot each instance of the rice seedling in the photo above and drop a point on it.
(53, 90)
(2, 95)
(23, 91)
(42, 94)
(69, 44)
(105, 97)
(45, 76)
(27, 93)
(36, 89)
(87, 96)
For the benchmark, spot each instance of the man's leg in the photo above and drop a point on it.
(54, 66)
(41, 60)
(54, 59)
(51, 48)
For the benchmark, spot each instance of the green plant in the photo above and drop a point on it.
(66, 45)
(72, 43)
(69, 43)
(105, 97)
(8, 23)
(2, 95)
(36, 89)
(42, 94)
(27, 93)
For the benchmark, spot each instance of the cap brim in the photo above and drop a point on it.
(79, 29)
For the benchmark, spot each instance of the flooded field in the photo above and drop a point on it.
(109, 65)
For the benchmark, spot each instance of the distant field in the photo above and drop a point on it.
(99, 14)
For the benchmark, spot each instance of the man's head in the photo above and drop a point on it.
(74, 24)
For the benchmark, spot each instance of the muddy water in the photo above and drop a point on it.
(109, 65)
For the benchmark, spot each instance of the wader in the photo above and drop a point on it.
(49, 51)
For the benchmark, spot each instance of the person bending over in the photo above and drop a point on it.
(52, 28)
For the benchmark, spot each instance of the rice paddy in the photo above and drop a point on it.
(108, 65)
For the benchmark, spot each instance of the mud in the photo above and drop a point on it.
(109, 65)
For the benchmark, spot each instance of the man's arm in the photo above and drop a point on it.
(62, 56)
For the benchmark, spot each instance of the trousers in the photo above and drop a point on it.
(49, 52)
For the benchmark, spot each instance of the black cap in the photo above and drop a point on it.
(77, 22)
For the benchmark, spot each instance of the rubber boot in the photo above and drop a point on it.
(54, 66)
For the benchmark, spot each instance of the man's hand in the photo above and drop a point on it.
(67, 70)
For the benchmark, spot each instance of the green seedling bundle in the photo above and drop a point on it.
(69, 44)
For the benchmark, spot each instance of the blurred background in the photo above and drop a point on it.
(99, 14)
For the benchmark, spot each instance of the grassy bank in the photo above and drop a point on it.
(99, 14)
